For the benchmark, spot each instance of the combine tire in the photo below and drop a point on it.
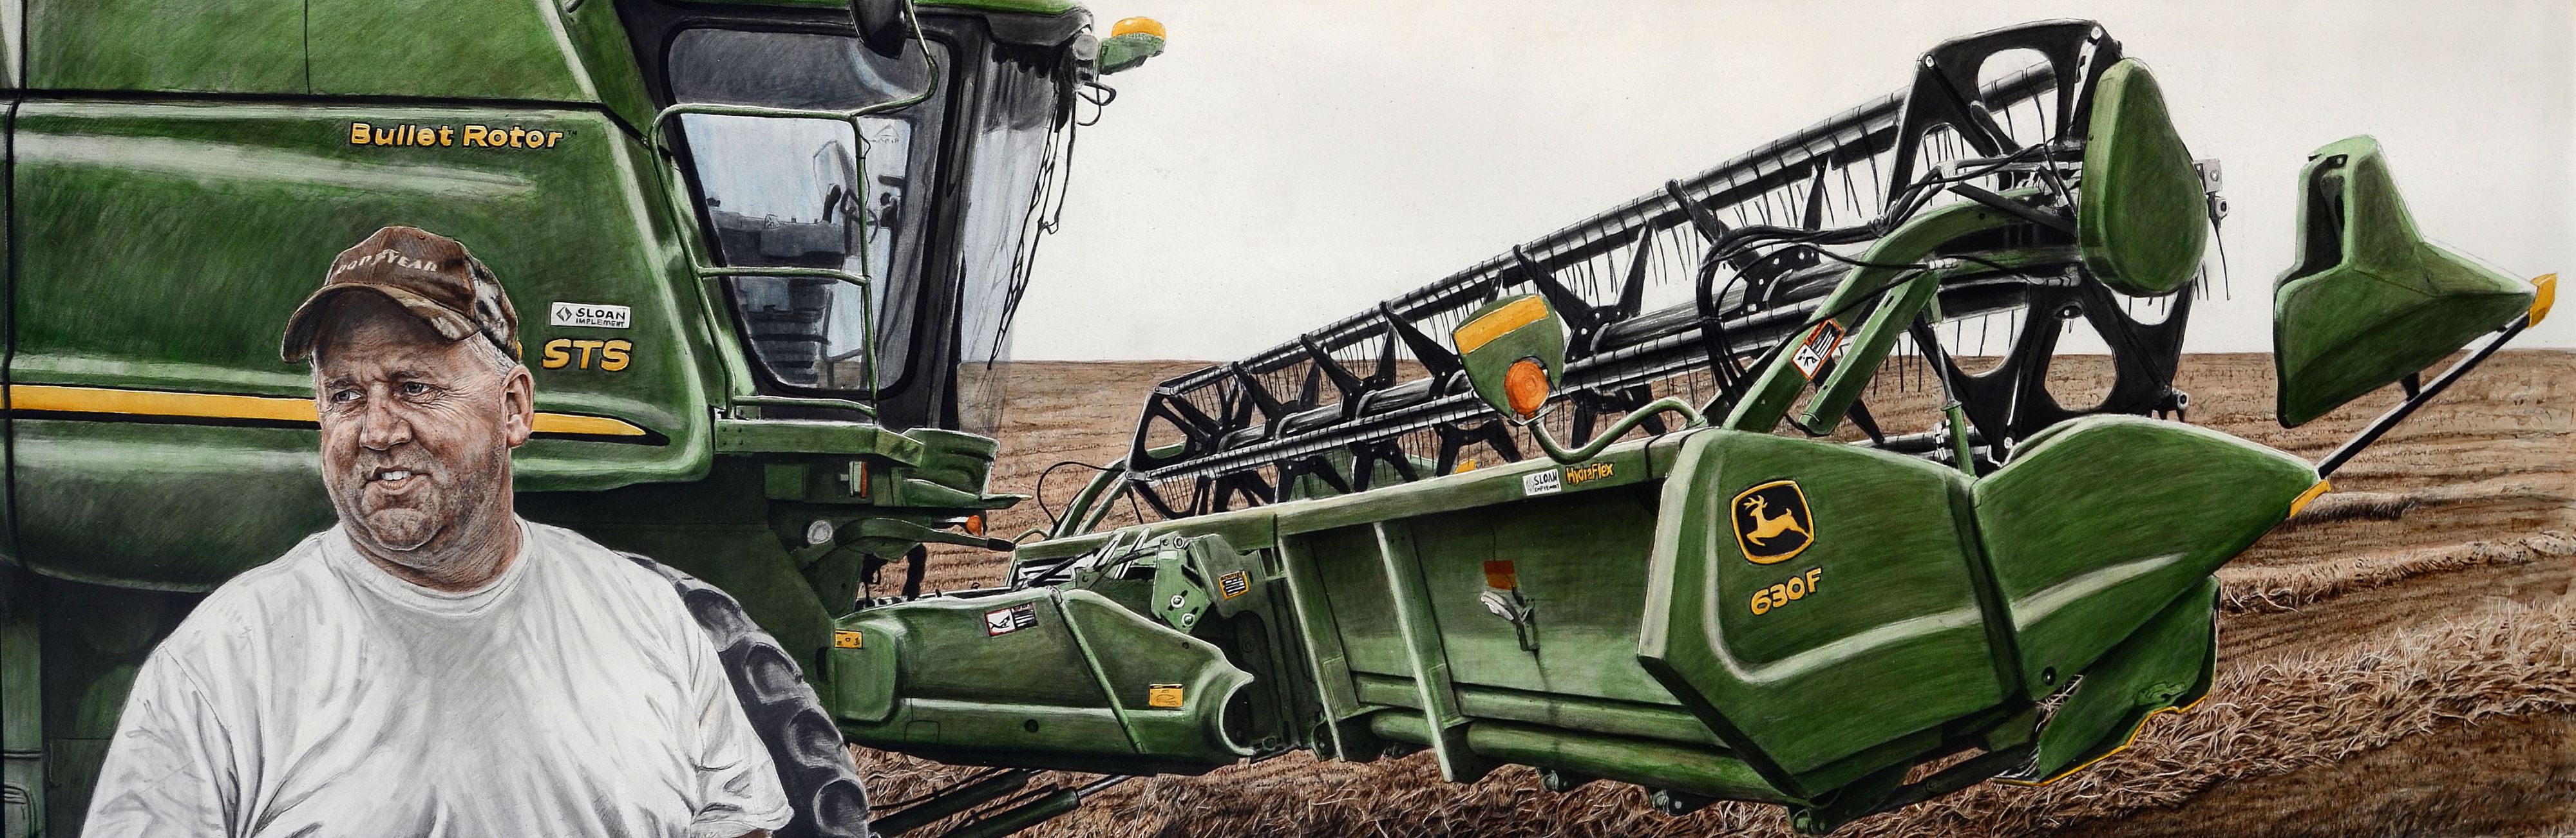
(813, 764)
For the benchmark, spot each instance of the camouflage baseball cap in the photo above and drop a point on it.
(429, 275)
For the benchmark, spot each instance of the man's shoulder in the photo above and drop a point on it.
(283, 592)
(590, 557)
(612, 573)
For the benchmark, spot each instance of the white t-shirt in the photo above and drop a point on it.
(321, 696)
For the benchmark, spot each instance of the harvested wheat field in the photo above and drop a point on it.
(2398, 660)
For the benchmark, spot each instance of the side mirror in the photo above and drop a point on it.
(1513, 350)
(1130, 42)
(2369, 301)
(883, 24)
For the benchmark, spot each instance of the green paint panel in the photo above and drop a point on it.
(1134, 656)
(2097, 524)
(2169, 663)
(483, 49)
(2370, 301)
(1079, 695)
(1664, 720)
(105, 500)
(608, 59)
(2141, 216)
(951, 707)
(1362, 605)
(1579, 560)
(271, 194)
(863, 676)
(208, 46)
(1889, 641)
(1484, 487)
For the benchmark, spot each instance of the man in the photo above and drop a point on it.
(433, 665)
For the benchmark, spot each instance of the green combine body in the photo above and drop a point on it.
(765, 253)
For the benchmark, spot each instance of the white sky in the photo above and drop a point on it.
(1286, 164)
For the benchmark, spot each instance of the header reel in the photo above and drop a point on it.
(1989, 193)
(1798, 282)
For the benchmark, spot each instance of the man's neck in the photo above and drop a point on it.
(477, 561)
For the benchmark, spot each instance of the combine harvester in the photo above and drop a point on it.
(1362, 557)
(776, 246)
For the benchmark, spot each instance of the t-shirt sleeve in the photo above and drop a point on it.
(169, 768)
(738, 789)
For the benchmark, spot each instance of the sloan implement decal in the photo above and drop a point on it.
(1772, 522)
(594, 315)
(1557, 480)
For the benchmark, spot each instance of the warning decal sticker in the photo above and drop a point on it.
(1166, 696)
(1817, 349)
(1001, 621)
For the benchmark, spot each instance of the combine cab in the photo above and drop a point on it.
(1591, 505)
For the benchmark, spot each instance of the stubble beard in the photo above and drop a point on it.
(433, 538)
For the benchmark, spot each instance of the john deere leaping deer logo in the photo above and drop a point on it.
(1772, 522)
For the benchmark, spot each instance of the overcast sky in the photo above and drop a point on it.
(1286, 164)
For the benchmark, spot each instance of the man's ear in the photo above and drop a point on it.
(519, 398)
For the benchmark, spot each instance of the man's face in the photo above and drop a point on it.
(416, 432)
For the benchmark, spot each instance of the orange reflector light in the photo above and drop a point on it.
(1499, 575)
(1133, 25)
(1526, 385)
(2544, 291)
(975, 525)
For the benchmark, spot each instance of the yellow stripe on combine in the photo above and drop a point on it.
(566, 423)
(1501, 321)
(49, 398)
(54, 399)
